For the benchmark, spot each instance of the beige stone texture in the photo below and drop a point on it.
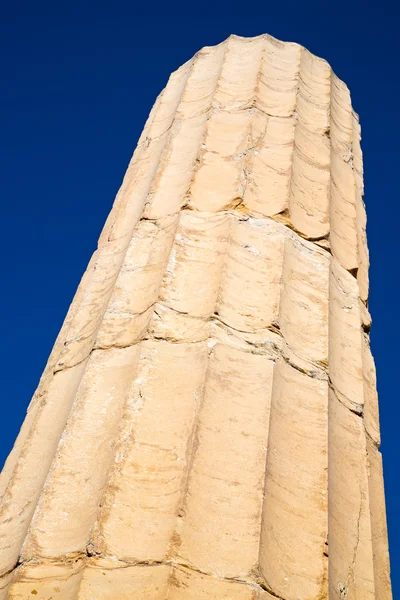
(207, 425)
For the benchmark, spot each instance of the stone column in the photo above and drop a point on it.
(207, 424)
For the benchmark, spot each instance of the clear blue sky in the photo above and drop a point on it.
(78, 84)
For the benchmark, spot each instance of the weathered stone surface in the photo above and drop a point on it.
(294, 524)
(207, 425)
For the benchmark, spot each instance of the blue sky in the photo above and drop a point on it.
(78, 84)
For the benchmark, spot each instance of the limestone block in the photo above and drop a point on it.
(146, 482)
(104, 580)
(68, 505)
(345, 338)
(378, 523)
(351, 564)
(249, 292)
(304, 300)
(219, 528)
(294, 524)
(25, 483)
(268, 172)
(46, 581)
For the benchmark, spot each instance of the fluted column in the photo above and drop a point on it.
(207, 424)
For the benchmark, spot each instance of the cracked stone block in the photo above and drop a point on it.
(207, 425)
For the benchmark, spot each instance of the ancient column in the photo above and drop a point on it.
(207, 424)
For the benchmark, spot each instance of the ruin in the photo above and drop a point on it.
(207, 423)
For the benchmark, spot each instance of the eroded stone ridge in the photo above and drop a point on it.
(207, 424)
